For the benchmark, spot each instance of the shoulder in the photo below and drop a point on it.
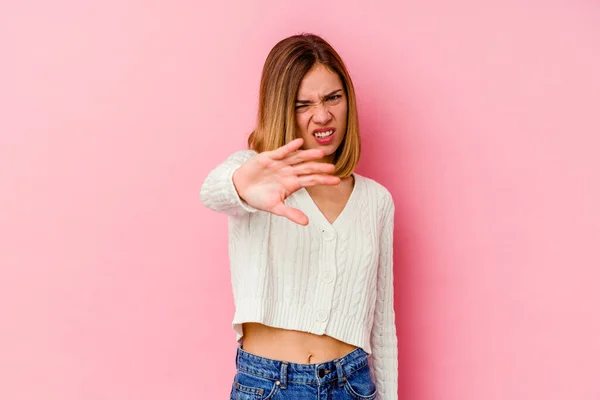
(377, 190)
(237, 158)
(381, 198)
(242, 154)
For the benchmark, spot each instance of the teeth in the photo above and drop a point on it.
(323, 134)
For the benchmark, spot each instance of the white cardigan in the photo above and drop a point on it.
(326, 279)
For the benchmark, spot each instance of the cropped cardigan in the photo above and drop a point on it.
(325, 278)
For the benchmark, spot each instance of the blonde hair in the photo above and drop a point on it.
(284, 69)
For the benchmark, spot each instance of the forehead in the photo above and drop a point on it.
(318, 82)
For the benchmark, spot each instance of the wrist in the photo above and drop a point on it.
(236, 183)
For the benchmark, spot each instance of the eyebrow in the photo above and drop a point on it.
(327, 95)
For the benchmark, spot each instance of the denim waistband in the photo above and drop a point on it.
(310, 374)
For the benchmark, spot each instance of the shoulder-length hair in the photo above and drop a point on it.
(285, 67)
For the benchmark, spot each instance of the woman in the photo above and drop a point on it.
(310, 241)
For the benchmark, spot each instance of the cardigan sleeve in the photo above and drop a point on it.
(218, 192)
(384, 342)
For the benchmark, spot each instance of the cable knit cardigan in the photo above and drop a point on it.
(325, 278)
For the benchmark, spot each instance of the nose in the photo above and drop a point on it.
(322, 114)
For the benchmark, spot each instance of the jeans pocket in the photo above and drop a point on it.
(247, 386)
(359, 384)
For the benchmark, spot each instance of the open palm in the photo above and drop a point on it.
(266, 180)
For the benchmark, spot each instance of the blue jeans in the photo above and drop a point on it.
(260, 378)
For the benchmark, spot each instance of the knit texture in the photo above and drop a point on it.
(332, 279)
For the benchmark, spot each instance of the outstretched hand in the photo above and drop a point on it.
(267, 179)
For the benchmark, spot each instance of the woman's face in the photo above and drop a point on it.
(321, 111)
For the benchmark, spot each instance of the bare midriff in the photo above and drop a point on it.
(296, 346)
(292, 346)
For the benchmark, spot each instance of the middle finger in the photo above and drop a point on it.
(313, 167)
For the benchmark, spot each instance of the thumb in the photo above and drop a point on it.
(293, 214)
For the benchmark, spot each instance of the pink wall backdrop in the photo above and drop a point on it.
(482, 118)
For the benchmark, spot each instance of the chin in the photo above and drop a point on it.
(333, 147)
(329, 149)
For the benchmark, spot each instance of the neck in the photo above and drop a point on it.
(327, 159)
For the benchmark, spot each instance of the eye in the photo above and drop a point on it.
(334, 97)
(301, 107)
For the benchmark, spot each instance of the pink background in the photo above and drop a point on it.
(481, 117)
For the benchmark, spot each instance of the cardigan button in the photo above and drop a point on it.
(327, 276)
(329, 236)
(321, 316)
